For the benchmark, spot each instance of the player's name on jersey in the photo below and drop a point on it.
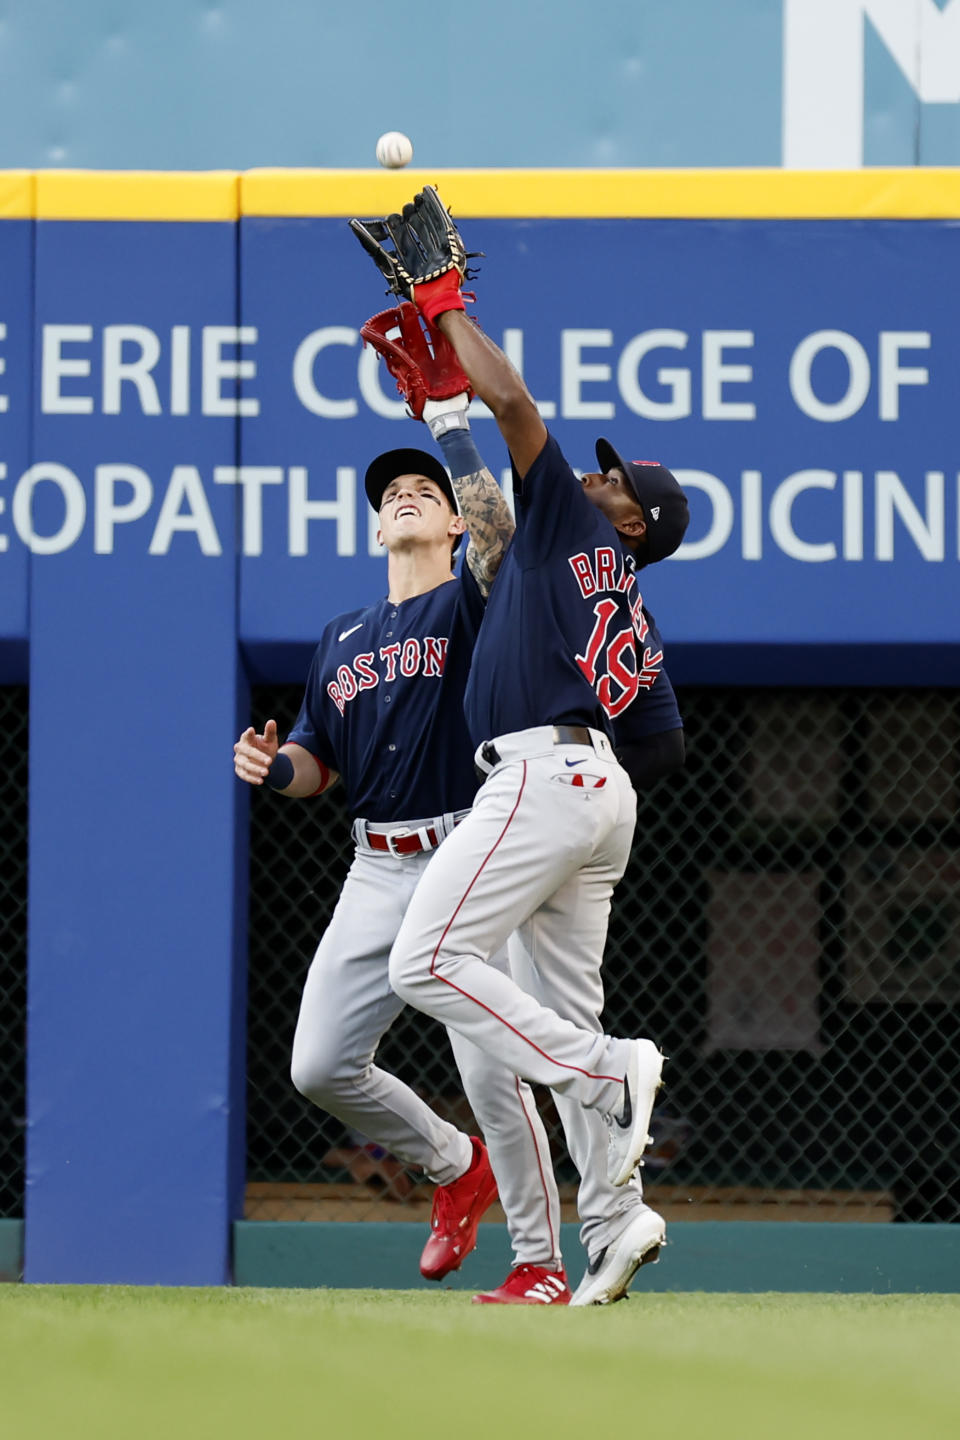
(812, 515)
(663, 374)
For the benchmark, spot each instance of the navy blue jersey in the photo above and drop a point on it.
(655, 709)
(384, 703)
(564, 639)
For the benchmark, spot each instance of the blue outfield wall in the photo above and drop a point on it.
(188, 415)
(16, 367)
(797, 376)
(135, 1093)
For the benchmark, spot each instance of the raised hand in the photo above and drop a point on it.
(421, 361)
(428, 261)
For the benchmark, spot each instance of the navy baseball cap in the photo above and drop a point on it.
(386, 468)
(391, 463)
(657, 490)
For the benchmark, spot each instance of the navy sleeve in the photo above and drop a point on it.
(652, 759)
(472, 603)
(552, 511)
(655, 708)
(308, 728)
(653, 711)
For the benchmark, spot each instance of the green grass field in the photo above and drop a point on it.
(107, 1362)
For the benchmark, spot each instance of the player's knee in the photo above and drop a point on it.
(305, 1079)
(319, 1078)
(404, 972)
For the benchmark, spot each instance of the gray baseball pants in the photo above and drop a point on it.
(546, 842)
(347, 1007)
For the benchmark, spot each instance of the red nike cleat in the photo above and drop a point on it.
(529, 1285)
(457, 1209)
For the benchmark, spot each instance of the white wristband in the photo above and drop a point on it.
(445, 415)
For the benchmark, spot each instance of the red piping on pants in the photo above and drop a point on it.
(434, 975)
(554, 1252)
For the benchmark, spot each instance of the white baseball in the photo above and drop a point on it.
(394, 150)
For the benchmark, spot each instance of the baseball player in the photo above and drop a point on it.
(619, 1231)
(555, 664)
(383, 714)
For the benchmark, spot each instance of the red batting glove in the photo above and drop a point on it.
(436, 296)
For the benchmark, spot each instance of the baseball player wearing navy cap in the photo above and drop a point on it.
(619, 1231)
(665, 511)
(383, 713)
(386, 468)
(562, 653)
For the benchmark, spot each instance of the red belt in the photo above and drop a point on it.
(396, 844)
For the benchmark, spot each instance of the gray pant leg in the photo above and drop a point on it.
(347, 1007)
(519, 1150)
(525, 838)
(563, 978)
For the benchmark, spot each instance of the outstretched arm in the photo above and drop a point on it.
(424, 259)
(489, 522)
(499, 384)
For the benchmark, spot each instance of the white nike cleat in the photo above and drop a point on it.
(607, 1277)
(629, 1128)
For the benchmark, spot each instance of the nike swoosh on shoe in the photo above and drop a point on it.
(594, 1265)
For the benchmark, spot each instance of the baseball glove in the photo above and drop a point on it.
(421, 360)
(428, 260)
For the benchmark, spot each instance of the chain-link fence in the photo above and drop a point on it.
(788, 931)
(13, 944)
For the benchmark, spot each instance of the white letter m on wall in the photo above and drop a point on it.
(823, 70)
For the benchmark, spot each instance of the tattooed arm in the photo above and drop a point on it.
(489, 524)
(482, 503)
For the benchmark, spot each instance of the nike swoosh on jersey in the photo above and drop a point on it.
(344, 633)
(576, 762)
